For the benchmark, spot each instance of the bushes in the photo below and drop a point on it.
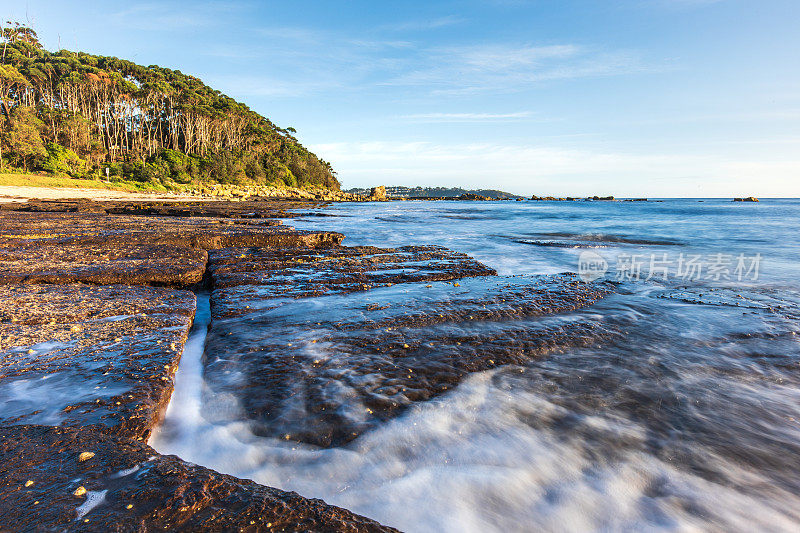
(60, 160)
(23, 141)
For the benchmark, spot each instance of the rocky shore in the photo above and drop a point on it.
(96, 302)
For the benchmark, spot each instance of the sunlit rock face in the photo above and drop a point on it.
(79, 355)
(299, 350)
(70, 247)
(94, 317)
(57, 479)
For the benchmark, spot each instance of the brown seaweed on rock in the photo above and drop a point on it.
(323, 370)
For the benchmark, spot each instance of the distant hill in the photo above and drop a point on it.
(437, 192)
(84, 115)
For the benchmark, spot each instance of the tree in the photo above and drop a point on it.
(112, 112)
(25, 145)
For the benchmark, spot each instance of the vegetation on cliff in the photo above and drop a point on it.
(78, 114)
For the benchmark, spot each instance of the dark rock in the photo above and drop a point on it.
(602, 198)
(170, 208)
(44, 247)
(127, 486)
(299, 272)
(324, 370)
(88, 356)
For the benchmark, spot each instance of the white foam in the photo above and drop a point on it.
(473, 461)
(93, 499)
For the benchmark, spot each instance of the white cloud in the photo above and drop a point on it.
(422, 25)
(166, 16)
(509, 67)
(467, 117)
(559, 171)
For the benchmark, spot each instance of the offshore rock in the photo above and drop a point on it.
(84, 356)
(323, 370)
(377, 193)
(127, 486)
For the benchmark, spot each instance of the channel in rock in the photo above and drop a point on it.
(57, 479)
(86, 356)
(323, 370)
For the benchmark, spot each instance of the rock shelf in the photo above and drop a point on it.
(316, 342)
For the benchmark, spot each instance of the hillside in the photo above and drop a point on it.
(84, 115)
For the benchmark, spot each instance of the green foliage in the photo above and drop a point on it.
(23, 143)
(145, 123)
(62, 160)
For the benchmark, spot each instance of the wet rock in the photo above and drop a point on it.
(205, 233)
(300, 272)
(323, 370)
(43, 247)
(168, 208)
(103, 265)
(127, 486)
(87, 356)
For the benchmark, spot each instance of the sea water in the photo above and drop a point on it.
(688, 419)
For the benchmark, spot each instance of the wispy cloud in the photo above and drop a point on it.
(366, 63)
(467, 117)
(422, 25)
(166, 16)
(509, 67)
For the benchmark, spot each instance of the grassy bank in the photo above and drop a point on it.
(39, 180)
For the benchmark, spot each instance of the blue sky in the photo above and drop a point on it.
(573, 97)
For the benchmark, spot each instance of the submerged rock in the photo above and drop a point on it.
(300, 272)
(323, 370)
(127, 486)
(85, 356)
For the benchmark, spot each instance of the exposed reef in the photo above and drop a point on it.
(56, 479)
(117, 345)
(326, 369)
(88, 350)
(310, 341)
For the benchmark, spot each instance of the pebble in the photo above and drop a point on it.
(85, 456)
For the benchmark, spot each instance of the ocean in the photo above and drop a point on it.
(682, 414)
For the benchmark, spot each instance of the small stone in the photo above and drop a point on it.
(85, 456)
(28, 483)
(129, 506)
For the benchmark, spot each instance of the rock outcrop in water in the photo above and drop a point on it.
(311, 341)
(83, 356)
(325, 369)
(88, 350)
(57, 479)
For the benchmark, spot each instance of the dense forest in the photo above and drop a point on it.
(79, 114)
(438, 192)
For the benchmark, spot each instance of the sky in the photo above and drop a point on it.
(650, 98)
